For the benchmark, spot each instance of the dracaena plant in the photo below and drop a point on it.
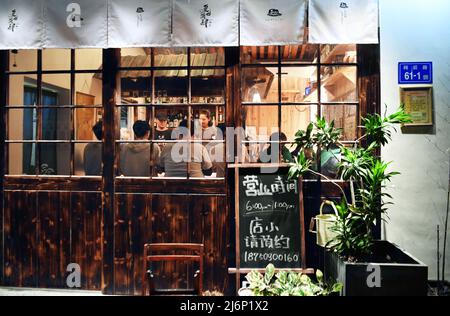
(366, 173)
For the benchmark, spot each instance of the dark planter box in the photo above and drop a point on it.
(400, 273)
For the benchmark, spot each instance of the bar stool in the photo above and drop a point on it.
(154, 253)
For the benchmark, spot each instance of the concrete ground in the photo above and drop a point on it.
(15, 291)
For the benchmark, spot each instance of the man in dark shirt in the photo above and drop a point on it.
(162, 131)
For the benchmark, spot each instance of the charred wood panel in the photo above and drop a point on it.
(21, 245)
(53, 238)
(85, 220)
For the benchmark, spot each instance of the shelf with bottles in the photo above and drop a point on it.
(207, 100)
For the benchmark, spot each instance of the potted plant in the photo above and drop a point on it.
(365, 266)
(287, 283)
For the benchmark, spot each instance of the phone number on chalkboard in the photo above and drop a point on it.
(255, 256)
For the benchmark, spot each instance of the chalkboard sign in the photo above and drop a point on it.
(269, 220)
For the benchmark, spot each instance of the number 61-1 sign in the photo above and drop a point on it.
(415, 73)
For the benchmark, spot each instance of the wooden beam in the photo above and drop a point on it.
(111, 79)
(4, 61)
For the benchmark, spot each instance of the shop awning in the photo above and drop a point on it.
(36, 24)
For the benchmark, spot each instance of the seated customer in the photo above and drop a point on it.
(135, 160)
(93, 153)
(177, 159)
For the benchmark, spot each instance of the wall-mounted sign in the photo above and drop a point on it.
(418, 103)
(415, 73)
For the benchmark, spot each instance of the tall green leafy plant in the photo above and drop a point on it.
(366, 173)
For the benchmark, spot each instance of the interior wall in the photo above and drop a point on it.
(412, 30)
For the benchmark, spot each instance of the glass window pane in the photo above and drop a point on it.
(84, 121)
(54, 159)
(259, 85)
(212, 56)
(88, 59)
(88, 159)
(260, 122)
(170, 57)
(129, 115)
(88, 89)
(208, 86)
(338, 53)
(136, 86)
(23, 60)
(22, 90)
(299, 84)
(56, 59)
(299, 53)
(171, 86)
(259, 54)
(22, 124)
(339, 84)
(56, 123)
(22, 159)
(56, 89)
(296, 117)
(137, 159)
(344, 116)
(135, 57)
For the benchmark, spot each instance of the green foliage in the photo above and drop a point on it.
(326, 134)
(379, 130)
(304, 139)
(288, 283)
(300, 166)
(366, 173)
(353, 240)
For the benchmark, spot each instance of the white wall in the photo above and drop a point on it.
(413, 30)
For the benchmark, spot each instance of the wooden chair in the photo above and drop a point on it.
(154, 253)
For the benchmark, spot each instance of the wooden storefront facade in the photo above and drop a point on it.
(103, 223)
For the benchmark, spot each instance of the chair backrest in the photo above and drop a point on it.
(160, 252)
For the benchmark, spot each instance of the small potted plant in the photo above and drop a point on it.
(287, 283)
(354, 256)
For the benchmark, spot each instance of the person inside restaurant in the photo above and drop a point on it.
(177, 158)
(136, 158)
(162, 131)
(93, 153)
(208, 131)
